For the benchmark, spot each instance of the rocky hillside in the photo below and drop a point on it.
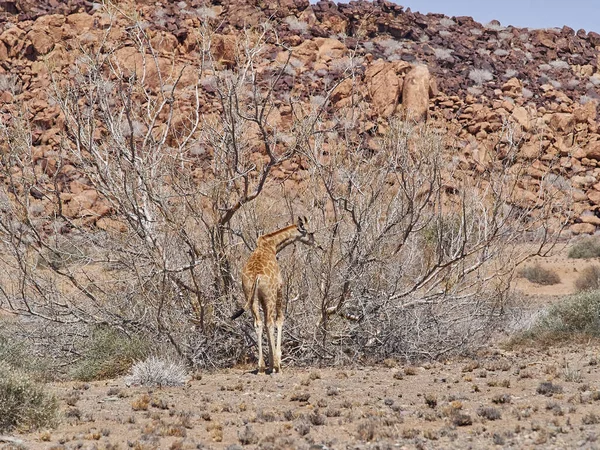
(487, 77)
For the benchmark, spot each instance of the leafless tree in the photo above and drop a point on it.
(165, 174)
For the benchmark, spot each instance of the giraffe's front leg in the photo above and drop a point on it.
(279, 323)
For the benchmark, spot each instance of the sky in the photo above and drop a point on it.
(520, 13)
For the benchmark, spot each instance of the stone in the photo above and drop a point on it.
(415, 94)
(530, 150)
(41, 41)
(592, 151)
(223, 49)
(78, 205)
(384, 86)
(562, 122)
(522, 117)
(583, 228)
(111, 225)
(594, 196)
(513, 87)
(586, 113)
(589, 217)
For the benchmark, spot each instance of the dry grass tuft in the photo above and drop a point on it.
(157, 372)
(540, 275)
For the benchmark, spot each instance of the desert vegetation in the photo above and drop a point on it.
(417, 252)
(539, 275)
(132, 194)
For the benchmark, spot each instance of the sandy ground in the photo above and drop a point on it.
(511, 399)
(496, 399)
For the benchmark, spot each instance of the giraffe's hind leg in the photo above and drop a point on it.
(258, 326)
(279, 322)
(270, 323)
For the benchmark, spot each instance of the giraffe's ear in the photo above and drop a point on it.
(301, 223)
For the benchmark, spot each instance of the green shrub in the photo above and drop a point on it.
(15, 353)
(576, 317)
(109, 353)
(585, 248)
(539, 275)
(23, 403)
(588, 279)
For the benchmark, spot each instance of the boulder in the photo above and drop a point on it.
(583, 228)
(594, 196)
(592, 151)
(384, 85)
(562, 122)
(415, 94)
(522, 117)
(585, 113)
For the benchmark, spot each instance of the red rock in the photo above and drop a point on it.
(80, 21)
(384, 86)
(223, 49)
(521, 115)
(415, 94)
(592, 150)
(583, 228)
(586, 113)
(164, 42)
(590, 218)
(3, 52)
(564, 122)
(111, 225)
(594, 196)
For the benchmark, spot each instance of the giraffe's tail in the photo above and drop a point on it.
(238, 313)
(241, 311)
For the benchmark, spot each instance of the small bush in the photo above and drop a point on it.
(588, 247)
(295, 24)
(248, 436)
(447, 22)
(576, 317)
(489, 413)
(23, 403)
(109, 354)
(18, 355)
(158, 372)
(548, 389)
(480, 76)
(443, 53)
(588, 279)
(539, 275)
(462, 420)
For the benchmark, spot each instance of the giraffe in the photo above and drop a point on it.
(262, 284)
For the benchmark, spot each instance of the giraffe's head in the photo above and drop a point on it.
(306, 237)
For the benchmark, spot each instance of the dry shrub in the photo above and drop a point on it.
(158, 372)
(489, 413)
(409, 236)
(548, 388)
(587, 247)
(540, 275)
(575, 317)
(588, 279)
(23, 403)
(107, 353)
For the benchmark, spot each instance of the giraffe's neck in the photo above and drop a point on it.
(280, 239)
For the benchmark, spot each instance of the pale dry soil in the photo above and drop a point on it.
(436, 405)
(494, 399)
